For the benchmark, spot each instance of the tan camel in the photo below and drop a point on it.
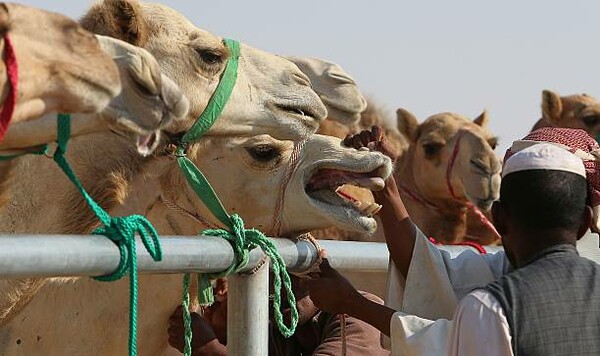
(248, 173)
(62, 67)
(134, 184)
(579, 111)
(336, 88)
(271, 94)
(444, 142)
(372, 115)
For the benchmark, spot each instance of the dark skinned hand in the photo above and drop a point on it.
(201, 330)
(331, 291)
(374, 140)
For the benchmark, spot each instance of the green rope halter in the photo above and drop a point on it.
(241, 239)
(121, 230)
(41, 151)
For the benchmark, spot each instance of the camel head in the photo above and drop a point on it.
(149, 101)
(62, 68)
(258, 179)
(336, 88)
(475, 172)
(579, 111)
(271, 95)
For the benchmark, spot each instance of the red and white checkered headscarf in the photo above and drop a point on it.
(581, 144)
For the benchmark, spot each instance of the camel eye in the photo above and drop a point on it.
(591, 120)
(263, 153)
(209, 56)
(431, 149)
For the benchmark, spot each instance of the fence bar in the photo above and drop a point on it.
(84, 255)
(248, 313)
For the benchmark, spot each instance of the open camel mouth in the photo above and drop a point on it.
(333, 192)
(147, 143)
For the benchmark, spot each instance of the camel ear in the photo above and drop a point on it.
(121, 19)
(551, 106)
(482, 120)
(407, 124)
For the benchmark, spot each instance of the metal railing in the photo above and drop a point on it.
(84, 255)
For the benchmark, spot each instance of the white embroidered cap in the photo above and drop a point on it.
(544, 156)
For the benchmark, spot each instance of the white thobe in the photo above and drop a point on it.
(430, 321)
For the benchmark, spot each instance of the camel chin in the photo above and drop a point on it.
(333, 192)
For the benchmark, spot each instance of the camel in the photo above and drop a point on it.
(148, 102)
(437, 188)
(579, 111)
(249, 175)
(336, 88)
(272, 99)
(61, 67)
(271, 94)
(424, 152)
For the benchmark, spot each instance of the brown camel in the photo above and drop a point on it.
(425, 151)
(148, 102)
(61, 67)
(449, 165)
(579, 111)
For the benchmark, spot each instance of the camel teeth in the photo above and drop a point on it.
(366, 149)
(376, 209)
(372, 209)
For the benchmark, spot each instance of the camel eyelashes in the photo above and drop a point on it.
(591, 120)
(263, 153)
(432, 148)
(209, 56)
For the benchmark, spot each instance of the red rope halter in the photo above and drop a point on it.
(12, 72)
(482, 218)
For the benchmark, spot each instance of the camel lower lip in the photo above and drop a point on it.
(346, 215)
(341, 200)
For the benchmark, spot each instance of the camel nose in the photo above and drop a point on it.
(176, 103)
(302, 79)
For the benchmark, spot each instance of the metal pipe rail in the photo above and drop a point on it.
(24, 256)
(76, 255)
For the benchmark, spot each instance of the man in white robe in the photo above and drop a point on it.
(435, 283)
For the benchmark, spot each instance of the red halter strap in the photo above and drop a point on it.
(12, 72)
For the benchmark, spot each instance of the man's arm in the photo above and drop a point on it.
(398, 229)
(335, 294)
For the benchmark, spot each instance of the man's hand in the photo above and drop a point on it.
(332, 292)
(374, 140)
(203, 335)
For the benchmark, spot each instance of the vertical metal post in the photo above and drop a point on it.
(248, 313)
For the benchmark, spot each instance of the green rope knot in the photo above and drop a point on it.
(242, 241)
(122, 230)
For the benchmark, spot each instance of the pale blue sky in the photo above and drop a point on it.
(425, 56)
